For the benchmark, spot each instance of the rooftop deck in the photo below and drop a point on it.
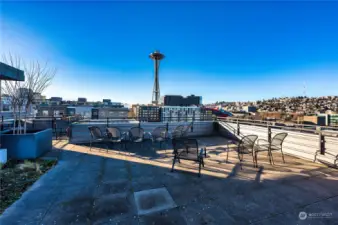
(112, 188)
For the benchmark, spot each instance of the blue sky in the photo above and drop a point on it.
(231, 51)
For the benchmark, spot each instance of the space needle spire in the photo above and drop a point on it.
(157, 57)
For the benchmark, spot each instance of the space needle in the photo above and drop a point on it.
(157, 57)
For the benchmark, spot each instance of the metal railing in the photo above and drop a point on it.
(320, 131)
(110, 120)
(308, 128)
(58, 124)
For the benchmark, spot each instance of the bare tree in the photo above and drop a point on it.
(37, 78)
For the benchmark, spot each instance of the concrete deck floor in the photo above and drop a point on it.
(98, 188)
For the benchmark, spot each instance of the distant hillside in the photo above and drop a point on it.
(287, 104)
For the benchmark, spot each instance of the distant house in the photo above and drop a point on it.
(81, 101)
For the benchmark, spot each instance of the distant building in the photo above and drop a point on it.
(81, 101)
(249, 108)
(81, 110)
(314, 120)
(180, 113)
(6, 102)
(37, 98)
(111, 113)
(116, 105)
(206, 114)
(333, 120)
(270, 115)
(178, 100)
(330, 119)
(51, 110)
(148, 113)
(106, 102)
(55, 100)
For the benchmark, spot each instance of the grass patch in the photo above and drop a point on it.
(16, 176)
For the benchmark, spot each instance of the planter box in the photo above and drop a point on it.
(3, 155)
(27, 146)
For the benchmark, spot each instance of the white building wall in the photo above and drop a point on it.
(85, 111)
(176, 113)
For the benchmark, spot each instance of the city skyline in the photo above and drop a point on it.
(222, 51)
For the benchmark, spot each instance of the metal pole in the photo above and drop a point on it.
(0, 98)
(2, 123)
(238, 127)
(54, 126)
(321, 141)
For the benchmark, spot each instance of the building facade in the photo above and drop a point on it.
(55, 100)
(180, 113)
(178, 100)
(51, 110)
(250, 108)
(314, 120)
(109, 112)
(148, 113)
(81, 101)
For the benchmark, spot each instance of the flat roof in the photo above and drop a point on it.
(8, 72)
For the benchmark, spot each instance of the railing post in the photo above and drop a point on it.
(53, 122)
(54, 126)
(70, 132)
(269, 133)
(107, 122)
(238, 128)
(139, 124)
(321, 141)
(167, 127)
(2, 123)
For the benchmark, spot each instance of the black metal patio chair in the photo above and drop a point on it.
(186, 130)
(97, 137)
(115, 136)
(159, 135)
(246, 146)
(276, 144)
(177, 132)
(187, 149)
(136, 135)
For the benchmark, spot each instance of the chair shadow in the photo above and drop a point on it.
(144, 149)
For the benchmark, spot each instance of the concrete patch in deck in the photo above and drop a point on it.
(153, 200)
